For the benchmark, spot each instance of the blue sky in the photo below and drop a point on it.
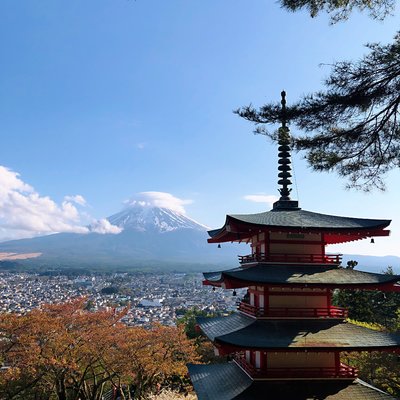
(104, 99)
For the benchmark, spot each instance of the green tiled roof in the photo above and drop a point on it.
(294, 274)
(228, 382)
(303, 219)
(213, 327)
(219, 381)
(294, 334)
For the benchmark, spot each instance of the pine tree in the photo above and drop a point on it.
(352, 126)
(341, 9)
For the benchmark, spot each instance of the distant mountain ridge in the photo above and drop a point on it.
(149, 235)
(376, 264)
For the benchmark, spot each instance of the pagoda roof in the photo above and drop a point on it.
(218, 381)
(241, 331)
(242, 226)
(228, 381)
(291, 275)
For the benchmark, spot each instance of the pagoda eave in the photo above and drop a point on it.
(226, 349)
(331, 235)
(312, 276)
(230, 283)
(240, 332)
(229, 381)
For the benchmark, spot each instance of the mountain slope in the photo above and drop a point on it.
(153, 219)
(149, 234)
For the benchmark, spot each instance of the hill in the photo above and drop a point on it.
(148, 237)
(374, 263)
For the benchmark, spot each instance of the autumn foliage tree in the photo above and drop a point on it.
(64, 352)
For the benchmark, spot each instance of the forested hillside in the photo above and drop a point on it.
(375, 310)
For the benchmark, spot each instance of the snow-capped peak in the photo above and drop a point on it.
(149, 218)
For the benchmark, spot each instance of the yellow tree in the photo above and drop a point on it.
(67, 353)
(156, 355)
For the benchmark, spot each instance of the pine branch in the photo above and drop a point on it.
(340, 10)
(352, 127)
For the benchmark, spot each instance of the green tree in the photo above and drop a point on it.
(188, 321)
(109, 290)
(371, 306)
(375, 310)
(204, 347)
(380, 369)
(352, 126)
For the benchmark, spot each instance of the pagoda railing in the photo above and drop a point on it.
(240, 359)
(344, 371)
(292, 258)
(282, 312)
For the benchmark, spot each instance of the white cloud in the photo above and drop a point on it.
(103, 226)
(141, 146)
(159, 199)
(78, 199)
(25, 213)
(262, 198)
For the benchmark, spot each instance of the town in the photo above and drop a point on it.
(150, 298)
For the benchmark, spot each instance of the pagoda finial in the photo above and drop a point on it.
(283, 102)
(284, 161)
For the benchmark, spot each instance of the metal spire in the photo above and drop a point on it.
(284, 155)
(284, 162)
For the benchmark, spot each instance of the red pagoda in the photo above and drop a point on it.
(286, 340)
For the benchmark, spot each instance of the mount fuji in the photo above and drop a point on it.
(149, 237)
(153, 219)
